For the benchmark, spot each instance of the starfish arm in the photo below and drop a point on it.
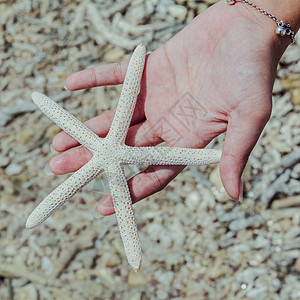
(168, 156)
(67, 122)
(125, 215)
(63, 193)
(130, 91)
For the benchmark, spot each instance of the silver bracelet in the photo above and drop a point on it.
(282, 29)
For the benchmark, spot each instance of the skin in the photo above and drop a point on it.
(228, 63)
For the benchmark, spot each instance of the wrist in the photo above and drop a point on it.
(272, 16)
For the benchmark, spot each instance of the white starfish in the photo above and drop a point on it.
(109, 154)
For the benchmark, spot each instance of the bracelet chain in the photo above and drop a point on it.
(282, 29)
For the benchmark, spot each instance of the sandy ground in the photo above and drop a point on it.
(197, 243)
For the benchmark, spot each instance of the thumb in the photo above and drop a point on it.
(242, 134)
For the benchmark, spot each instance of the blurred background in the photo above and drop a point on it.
(197, 243)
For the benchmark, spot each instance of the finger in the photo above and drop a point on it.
(99, 125)
(152, 180)
(73, 159)
(142, 134)
(70, 161)
(109, 74)
(242, 135)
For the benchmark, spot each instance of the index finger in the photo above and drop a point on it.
(109, 74)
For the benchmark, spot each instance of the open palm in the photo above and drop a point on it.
(219, 67)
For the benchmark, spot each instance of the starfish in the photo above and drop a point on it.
(109, 154)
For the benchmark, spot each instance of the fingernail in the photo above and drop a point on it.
(47, 170)
(241, 196)
(52, 150)
(96, 213)
(65, 87)
(105, 202)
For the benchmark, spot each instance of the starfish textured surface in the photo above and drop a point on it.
(109, 154)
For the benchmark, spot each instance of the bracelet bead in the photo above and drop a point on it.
(282, 28)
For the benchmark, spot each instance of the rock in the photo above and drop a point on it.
(218, 190)
(47, 265)
(193, 200)
(87, 257)
(296, 266)
(240, 224)
(112, 259)
(291, 82)
(159, 234)
(286, 202)
(163, 277)
(258, 293)
(218, 271)
(137, 279)
(13, 169)
(4, 161)
(277, 88)
(177, 11)
(113, 55)
(295, 97)
(27, 292)
(52, 131)
(24, 136)
(92, 290)
(292, 54)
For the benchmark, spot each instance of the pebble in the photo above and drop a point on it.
(286, 202)
(177, 11)
(47, 265)
(4, 161)
(137, 279)
(258, 293)
(292, 54)
(296, 266)
(219, 190)
(295, 97)
(114, 55)
(52, 131)
(87, 257)
(183, 241)
(193, 200)
(240, 224)
(27, 292)
(13, 169)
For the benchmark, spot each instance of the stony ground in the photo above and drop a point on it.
(197, 244)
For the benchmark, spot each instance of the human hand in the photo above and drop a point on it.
(225, 60)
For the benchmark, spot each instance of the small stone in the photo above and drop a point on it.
(13, 169)
(177, 11)
(24, 136)
(92, 290)
(52, 131)
(295, 97)
(193, 200)
(218, 271)
(87, 257)
(27, 292)
(277, 88)
(218, 189)
(258, 293)
(286, 202)
(292, 81)
(296, 266)
(4, 161)
(292, 54)
(114, 54)
(47, 265)
(136, 279)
